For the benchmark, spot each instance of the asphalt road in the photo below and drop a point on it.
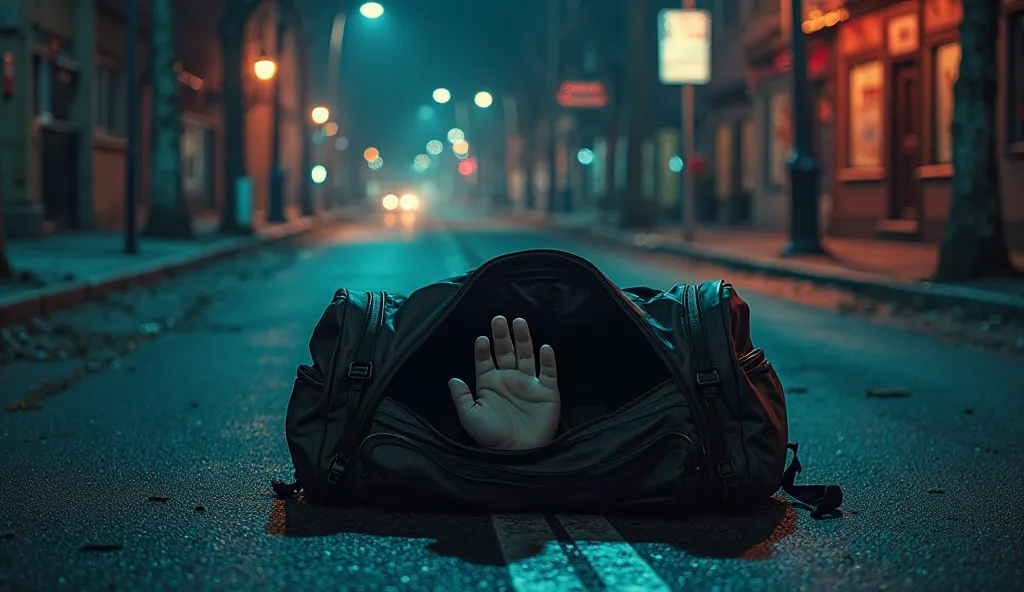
(933, 481)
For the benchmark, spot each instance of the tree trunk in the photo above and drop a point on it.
(975, 241)
(232, 25)
(168, 212)
(633, 210)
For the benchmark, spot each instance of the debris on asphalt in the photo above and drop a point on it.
(200, 509)
(100, 548)
(888, 393)
(194, 405)
(934, 490)
(6, 535)
(797, 390)
(159, 498)
(968, 411)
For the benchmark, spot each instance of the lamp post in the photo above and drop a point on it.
(804, 170)
(275, 210)
(131, 190)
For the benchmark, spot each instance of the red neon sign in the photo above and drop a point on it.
(582, 94)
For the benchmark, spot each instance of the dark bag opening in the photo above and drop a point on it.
(588, 332)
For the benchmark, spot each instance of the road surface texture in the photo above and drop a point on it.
(151, 470)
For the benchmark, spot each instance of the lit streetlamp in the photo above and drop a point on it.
(483, 99)
(320, 115)
(264, 68)
(371, 10)
(442, 95)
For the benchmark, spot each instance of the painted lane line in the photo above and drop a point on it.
(535, 559)
(614, 560)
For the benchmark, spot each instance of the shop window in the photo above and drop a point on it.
(748, 156)
(780, 138)
(54, 89)
(109, 104)
(865, 113)
(1016, 79)
(723, 160)
(946, 71)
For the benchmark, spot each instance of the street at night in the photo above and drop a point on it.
(153, 472)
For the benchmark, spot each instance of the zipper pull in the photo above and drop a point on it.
(338, 467)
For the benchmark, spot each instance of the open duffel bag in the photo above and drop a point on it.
(666, 405)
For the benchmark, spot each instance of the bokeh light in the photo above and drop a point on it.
(483, 99)
(467, 167)
(376, 164)
(455, 134)
(371, 10)
(426, 112)
(675, 164)
(320, 115)
(318, 137)
(585, 156)
(442, 95)
(330, 128)
(390, 201)
(421, 163)
(409, 202)
(371, 154)
(264, 68)
(341, 143)
(434, 147)
(460, 147)
(318, 174)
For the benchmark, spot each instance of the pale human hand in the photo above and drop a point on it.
(513, 408)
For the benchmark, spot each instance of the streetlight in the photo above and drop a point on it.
(442, 95)
(371, 10)
(264, 68)
(483, 99)
(320, 115)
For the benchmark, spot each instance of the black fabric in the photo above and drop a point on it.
(823, 499)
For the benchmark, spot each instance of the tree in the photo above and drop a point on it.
(232, 27)
(168, 212)
(975, 241)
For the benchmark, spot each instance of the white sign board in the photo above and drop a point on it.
(684, 46)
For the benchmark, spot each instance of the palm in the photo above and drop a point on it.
(513, 408)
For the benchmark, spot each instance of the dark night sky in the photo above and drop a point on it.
(391, 65)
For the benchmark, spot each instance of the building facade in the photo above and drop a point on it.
(896, 66)
(63, 143)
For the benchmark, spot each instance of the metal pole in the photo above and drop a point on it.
(334, 94)
(553, 72)
(804, 170)
(688, 121)
(131, 184)
(275, 210)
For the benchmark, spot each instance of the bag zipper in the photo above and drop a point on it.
(752, 359)
(307, 376)
(709, 382)
(491, 473)
(631, 309)
(360, 370)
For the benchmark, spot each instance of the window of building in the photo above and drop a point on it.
(53, 89)
(109, 104)
(723, 160)
(946, 71)
(1015, 84)
(193, 157)
(748, 156)
(865, 113)
(780, 138)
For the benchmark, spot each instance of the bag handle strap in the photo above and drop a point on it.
(822, 499)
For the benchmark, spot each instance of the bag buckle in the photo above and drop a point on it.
(360, 370)
(727, 473)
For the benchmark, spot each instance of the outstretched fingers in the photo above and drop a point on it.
(548, 369)
(482, 355)
(525, 361)
(462, 397)
(504, 350)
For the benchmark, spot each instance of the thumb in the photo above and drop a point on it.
(462, 397)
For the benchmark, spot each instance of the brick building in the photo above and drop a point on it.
(63, 146)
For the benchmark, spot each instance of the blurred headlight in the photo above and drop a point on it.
(390, 201)
(410, 202)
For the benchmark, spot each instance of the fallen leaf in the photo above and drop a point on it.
(101, 548)
(934, 490)
(159, 498)
(888, 393)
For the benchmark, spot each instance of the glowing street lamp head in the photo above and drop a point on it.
(371, 10)
(320, 115)
(442, 95)
(483, 99)
(264, 68)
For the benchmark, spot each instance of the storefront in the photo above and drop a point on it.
(896, 70)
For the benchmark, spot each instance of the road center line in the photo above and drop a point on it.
(614, 560)
(536, 562)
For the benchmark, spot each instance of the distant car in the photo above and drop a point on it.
(400, 201)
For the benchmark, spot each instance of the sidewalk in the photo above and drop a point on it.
(882, 269)
(63, 270)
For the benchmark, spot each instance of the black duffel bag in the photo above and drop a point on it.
(666, 404)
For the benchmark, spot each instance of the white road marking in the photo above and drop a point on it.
(535, 559)
(614, 560)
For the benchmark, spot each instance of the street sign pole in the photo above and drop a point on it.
(689, 205)
(131, 189)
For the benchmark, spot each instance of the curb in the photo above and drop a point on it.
(21, 308)
(919, 294)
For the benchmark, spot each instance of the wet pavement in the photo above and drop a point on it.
(153, 472)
